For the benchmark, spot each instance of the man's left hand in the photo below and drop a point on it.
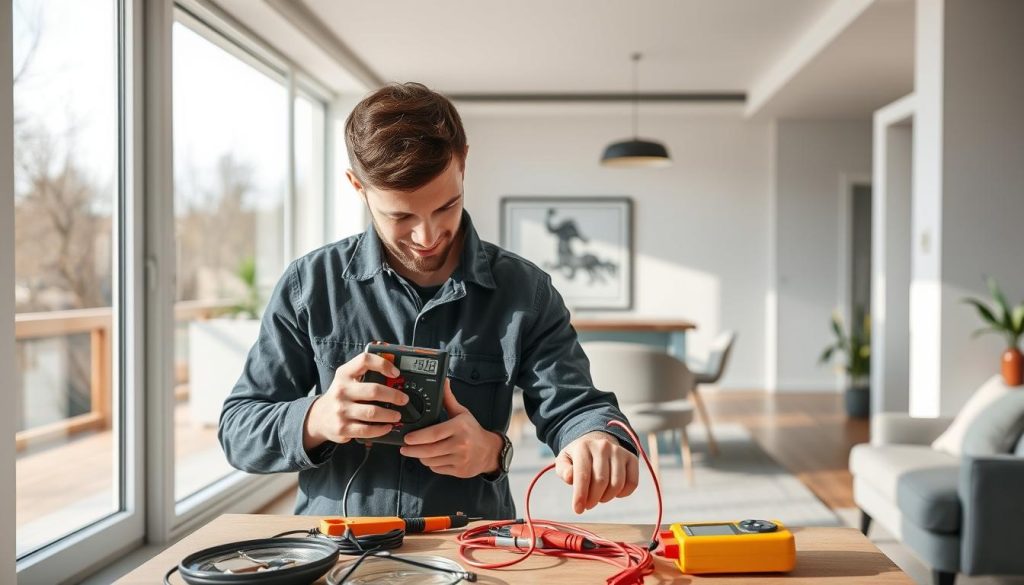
(598, 468)
(453, 447)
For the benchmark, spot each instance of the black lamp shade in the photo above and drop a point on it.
(636, 153)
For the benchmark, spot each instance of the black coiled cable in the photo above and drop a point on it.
(356, 545)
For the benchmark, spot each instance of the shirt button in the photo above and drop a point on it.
(474, 375)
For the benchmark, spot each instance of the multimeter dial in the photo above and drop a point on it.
(421, 378)
(757, 526)
(413, 410)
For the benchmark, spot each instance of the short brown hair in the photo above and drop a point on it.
(402, 136)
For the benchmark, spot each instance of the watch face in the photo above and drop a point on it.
(506, 454)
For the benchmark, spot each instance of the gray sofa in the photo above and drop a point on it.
(958, 514)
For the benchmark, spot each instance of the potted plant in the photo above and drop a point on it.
(857, 349)
(217, 348)
(1008, 322)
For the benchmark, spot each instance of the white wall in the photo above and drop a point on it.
(969, 92)
(701, 233)
(811, 159)
(7, 371)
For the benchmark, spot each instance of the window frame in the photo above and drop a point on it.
(169, 519)
(144, 292)
(308, 89)
(105, 539)
(8, 419)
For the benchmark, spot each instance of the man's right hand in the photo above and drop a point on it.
(344, 413)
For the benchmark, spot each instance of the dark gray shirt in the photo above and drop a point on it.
(503, 324)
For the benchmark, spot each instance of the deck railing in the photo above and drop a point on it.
(97, 323)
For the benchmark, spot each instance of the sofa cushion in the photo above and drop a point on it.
(882, 465)
(997, 427)
(952, 440)
(929, 498)
(1019, 450)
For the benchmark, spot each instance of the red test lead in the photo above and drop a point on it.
(555, 539)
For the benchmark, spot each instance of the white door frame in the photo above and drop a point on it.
(898, 113)
(847, 182)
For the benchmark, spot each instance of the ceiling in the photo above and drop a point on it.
(504, 50)
(568, 46)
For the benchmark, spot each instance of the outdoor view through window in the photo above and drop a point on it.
(230, 174)
(66, 205)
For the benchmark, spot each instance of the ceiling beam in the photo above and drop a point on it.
(717, 97)
(814, 40)
(304, 19)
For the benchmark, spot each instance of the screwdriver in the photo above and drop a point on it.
(435, 523)
(365, 525)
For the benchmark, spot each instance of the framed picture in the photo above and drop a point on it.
(584, 243)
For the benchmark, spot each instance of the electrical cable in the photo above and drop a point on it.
(344, 497)
(634, 561)
(351, 545)
(459, 575)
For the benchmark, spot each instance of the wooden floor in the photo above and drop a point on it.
(807, 433)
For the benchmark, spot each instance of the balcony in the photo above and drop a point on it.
(67, 471)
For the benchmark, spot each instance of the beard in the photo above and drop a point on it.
(410, 261)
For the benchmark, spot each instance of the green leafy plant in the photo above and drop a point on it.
(1002, 319)
(249, 306)
(856, 345)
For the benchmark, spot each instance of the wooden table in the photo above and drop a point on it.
(669, 334)
(824, 555)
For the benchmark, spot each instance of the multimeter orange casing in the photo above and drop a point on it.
(423, 372)
(735, 552)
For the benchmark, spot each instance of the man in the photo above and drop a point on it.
(418, 276)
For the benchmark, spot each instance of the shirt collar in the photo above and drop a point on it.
(368, 257)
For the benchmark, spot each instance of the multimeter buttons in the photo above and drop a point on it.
(757, 526)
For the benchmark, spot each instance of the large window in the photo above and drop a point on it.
(231, 186)
(310, 172)
(98, 278)
(69, 462)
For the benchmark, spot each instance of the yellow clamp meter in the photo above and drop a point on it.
(745, 546)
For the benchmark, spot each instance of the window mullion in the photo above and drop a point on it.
(8, 418)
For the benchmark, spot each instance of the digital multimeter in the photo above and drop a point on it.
(745, 546)
(423, 372)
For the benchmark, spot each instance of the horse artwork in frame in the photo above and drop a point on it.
(584, 243)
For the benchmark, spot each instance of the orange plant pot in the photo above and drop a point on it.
(1013, 367)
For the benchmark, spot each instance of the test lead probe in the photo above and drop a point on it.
(634, 561)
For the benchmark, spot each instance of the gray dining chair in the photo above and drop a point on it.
(651, 387)
(709, 373)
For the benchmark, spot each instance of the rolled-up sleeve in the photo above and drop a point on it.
(261, 423)
(554, 373)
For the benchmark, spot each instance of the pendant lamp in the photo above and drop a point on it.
(636, 153)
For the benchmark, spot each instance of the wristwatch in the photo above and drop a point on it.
(504, 457)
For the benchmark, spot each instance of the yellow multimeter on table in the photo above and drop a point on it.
(745, 546)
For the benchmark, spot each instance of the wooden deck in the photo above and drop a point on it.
(66, 485)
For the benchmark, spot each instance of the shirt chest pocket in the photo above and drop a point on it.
(481, 385)
(331, 354)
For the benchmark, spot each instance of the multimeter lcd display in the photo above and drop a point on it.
(710, 530)
(419, 365)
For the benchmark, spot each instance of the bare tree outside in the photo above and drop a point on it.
(216, 229)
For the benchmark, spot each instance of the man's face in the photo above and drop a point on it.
(418, 228)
